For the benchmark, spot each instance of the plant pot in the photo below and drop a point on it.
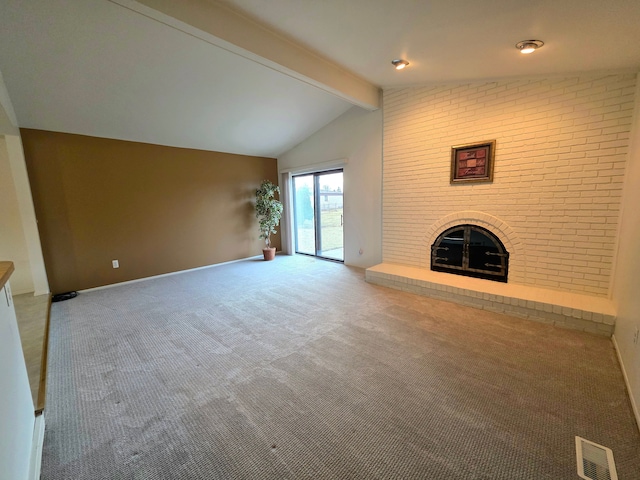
(269, 253)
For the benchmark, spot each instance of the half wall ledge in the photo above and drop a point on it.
(562, 309)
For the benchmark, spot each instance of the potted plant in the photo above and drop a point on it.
(268, 213)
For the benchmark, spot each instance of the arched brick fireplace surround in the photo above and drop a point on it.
(565, 309)
(508, 237)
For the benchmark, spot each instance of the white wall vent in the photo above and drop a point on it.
(595, 462)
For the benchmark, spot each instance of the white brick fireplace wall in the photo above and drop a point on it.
(561, 148)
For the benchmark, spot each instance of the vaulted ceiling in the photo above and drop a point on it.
(259, 76)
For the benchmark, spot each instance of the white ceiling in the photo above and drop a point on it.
(458, 40)
(96, 67)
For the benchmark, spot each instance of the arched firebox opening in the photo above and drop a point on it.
(472, 251)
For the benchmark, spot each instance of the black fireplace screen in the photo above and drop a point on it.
(472, 251)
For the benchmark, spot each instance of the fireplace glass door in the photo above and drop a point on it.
(472, 251)
(450, 251)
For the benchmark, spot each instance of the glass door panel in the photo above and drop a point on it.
(329, 201)
(484, 253)
(450, 252)
(303, 207)
(319, 214)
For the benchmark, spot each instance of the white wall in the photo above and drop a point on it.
(627, 272)
(562, 146)
(8, 122)
(27, 214)
(357, 137)
(17, 418)
(19, 237)
(13, 243)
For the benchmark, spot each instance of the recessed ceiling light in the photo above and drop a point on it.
(399, 63)
(529, 46)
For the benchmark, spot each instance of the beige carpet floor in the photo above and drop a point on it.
(297, 368)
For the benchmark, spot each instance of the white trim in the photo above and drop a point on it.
(36, 448)
(287, 222)
(634, 405)
(316, 167)
(119, 284)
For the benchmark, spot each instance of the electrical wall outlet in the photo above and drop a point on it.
(115, 263)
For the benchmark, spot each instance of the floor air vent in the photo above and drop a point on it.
(595, 462)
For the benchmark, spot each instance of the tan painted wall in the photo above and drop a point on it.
(155, 209)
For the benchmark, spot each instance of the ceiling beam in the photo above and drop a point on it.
(228, 29)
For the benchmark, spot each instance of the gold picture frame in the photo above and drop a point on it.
(473, 162)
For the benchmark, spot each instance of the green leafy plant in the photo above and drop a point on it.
(268, 210)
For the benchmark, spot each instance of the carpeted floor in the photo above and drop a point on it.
(297, 368)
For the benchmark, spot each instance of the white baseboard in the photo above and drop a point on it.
(119, 284)
(634, 405)
(36, 448)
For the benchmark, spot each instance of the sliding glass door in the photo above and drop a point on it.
(304, 214)
(319, 214)
(329, 215)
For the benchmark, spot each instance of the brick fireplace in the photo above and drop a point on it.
(471, 251)
(554, 202)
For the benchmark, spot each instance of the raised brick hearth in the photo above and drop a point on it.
(563, 309)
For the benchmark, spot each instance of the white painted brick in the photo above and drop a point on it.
(561, 154)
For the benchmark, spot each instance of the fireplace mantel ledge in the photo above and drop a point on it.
(564, 309)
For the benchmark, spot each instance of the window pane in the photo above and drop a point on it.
(304, 214)
(331, 219)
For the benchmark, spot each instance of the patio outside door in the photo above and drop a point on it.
(319, 214)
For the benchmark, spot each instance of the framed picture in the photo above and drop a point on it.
(473, 162)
